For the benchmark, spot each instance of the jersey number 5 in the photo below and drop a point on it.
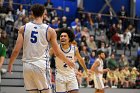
(34, 37)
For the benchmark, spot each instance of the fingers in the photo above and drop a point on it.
(10, 69)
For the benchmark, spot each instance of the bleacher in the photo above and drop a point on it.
(16, 78)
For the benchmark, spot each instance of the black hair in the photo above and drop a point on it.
(37, 10)
(68, 31)
(99, 52)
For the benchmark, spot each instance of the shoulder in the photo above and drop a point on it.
(51, 31)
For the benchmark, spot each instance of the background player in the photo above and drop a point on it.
(97, 69)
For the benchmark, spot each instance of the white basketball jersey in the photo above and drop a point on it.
(61, 67)
(100, 67)
(35, 45)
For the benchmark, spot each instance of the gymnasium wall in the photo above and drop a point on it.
(70, 5)
(138, 8)
(96, 5)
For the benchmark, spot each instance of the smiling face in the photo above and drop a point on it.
(64, 38)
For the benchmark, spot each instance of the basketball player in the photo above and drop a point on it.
(35, 38)
(66, 81)
(97, 69)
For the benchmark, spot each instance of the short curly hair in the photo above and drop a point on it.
(68, 31)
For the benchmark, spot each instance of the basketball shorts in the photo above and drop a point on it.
(36, 78)
(98, 82)
(66, 84)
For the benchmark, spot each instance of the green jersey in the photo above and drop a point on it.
(2, 50)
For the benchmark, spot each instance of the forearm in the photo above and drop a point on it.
(13, 57)
(1, 61)
(61, 55)
(97, 71)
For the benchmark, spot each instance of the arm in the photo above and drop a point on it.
(80, 60)
(94, 67)
(52, 38)
(2, 55)
(51, 52)
(17, 48)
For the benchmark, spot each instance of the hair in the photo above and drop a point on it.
(68, 31)
(37, 10)
(99, 52)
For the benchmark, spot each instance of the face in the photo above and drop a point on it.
(45, 15)
(64, 38)
(93, 53)
(102, 55)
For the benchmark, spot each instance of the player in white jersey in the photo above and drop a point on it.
(97, 69)
(66, 81)
(34, 37)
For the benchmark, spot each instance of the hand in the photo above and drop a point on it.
(71, 64)
(10, 66)
(89, 73)
(106, 70)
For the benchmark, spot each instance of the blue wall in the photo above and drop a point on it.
(138, 8)
(96, 5)
(72, 4)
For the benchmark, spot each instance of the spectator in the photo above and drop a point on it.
(121, 77)
(18, 23)
(21, 11)
(63, 23)
(92, 58)
(85, 32)
(127, 38)
(77, 33)
(2, 14)
(9, 20)
(133, 75)
(75, 23)
(48, 5)
(127, 76)
(84, 53)
(123, 62)
(112, 63)
(123, 14)
(111, 78)
(91, 43)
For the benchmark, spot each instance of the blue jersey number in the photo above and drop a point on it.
(34, 37)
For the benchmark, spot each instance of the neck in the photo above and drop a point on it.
(38, 20)
(66, 46)
(100, 58)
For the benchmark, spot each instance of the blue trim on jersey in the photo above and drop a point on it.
(65, 51)
(46, 33)
(24, 30)
(24, 27)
